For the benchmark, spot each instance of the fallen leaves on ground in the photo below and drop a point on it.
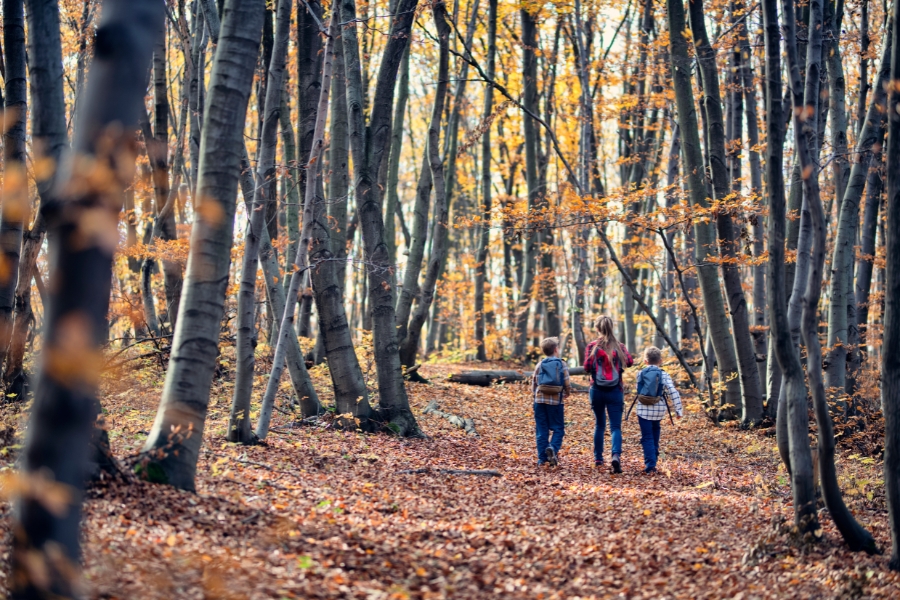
(321, 513)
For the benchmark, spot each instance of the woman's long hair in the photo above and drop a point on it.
(607, 340)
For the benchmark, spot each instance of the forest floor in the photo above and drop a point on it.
(321, 513)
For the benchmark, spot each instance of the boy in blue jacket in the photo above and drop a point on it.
(549, 385)
(652, 383)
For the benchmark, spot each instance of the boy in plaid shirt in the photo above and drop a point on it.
(550, 384)
(650, 416)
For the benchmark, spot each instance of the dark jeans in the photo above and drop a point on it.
(547, 417)
(612, 402)
(649, 441)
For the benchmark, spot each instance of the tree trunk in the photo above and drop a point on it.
(15, 209)
(529, 75)
(173, 446)
(698, 194)
(410, 345)
(857, 537)
(65, 407)
(890, 366)
(369, 146)
(729, 239)
(411, 290)
(804, 136)
(865, 264)
(265, 194)
(301, 263)
(484, 242)
(842, 296)
(393, 175)
(338, 161)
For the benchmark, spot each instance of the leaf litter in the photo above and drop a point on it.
(324, 513)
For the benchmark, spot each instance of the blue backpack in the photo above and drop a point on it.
(650, 384)
(550, 375)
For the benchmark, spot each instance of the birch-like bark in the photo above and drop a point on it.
(301, 263)
(369, 145)
(704, 232)
(172, 448)
(481, 257)
(440, 232)
(265, 194)
(728, 238)
(15, 208)
(890, 366)
(82, 221)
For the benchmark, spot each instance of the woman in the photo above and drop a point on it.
(605, 359)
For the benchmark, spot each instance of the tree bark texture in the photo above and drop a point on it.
(369, 145)
(172, 448)
(264, 195)
(65, 407)
(704, 232)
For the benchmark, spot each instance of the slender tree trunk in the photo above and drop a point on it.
(65, 407)
(338, 160)
(870, 136)
(530, 84)
(173, 446)
(484, 242)
(865, 264)
(856, 536)
(729, 239)
(890, 367)
(842, 300)
(266, 175)
(698, 194)
(369, 147)
(411, 290)
(393, 175)
(410, 346)
(291, 176)
(302, 265)
(15, 208)
(788, 357)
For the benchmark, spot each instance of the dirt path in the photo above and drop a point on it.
(326, 514)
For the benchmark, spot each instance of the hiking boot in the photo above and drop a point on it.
(598, 464)
(551, 456)
(616, 464)
(651, 471)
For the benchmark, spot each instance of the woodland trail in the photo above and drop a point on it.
(320, 513)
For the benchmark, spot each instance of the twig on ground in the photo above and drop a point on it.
(427, 470)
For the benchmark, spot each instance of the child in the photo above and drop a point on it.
(550, 384)
(652, 382)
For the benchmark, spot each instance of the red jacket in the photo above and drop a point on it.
(591, 362)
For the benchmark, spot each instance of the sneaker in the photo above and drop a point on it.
(551, 456)
(651, 471)
(598, 464)
(616, 465)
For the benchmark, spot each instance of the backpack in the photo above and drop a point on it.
(649, 385)
(599, 379)
(550, 378)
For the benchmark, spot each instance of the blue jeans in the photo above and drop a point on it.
(547, 417)
(649, 441)
(603, 402)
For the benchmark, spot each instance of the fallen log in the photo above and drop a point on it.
(483, 473)
(488, 378)
(463, 423)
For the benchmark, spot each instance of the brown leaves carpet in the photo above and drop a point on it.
(320, 513)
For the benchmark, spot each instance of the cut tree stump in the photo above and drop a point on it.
(487, 378)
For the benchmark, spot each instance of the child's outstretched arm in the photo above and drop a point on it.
(673, 394)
